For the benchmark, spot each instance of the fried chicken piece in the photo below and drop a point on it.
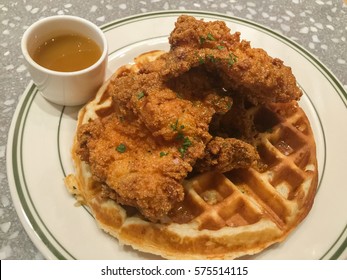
(245, 70)
(224, 155)
(158, 130)
(135, 168)
(144, 149)
(163, 111)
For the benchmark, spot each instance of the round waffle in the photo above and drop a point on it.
(223, 216)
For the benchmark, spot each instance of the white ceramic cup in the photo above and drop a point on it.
(65, 88)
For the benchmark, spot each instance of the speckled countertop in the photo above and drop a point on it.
(320, 26)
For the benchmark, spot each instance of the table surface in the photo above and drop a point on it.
(319, 26)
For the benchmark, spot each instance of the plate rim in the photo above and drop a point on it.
(22, 108)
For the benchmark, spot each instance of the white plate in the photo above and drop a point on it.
(38, 151)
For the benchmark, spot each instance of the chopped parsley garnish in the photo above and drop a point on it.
(211, 58)
(186, 144)
(201, 59)
(162, 154)
(210, 37)
(180, 135)
(178, 128)
(174, 126)
(140, 95)
(121, 148)
(220, 47)
(232, 59)
(182, 151)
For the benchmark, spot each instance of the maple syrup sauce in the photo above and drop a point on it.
(67, 53)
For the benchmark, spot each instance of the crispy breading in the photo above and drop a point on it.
(159, 127)
(241, 68)
(134, 164)
(225, 154)
(162, 134)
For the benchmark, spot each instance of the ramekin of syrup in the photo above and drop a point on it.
(66, 57)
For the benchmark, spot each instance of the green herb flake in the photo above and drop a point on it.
(174, 126)
(220, 47)
(210, 37)
(180, 135)
(202, 40)
(186, 144)
(140, 95)
(201, 60)
(163, 154)
(121, 148)
(182, 151)
(232, 59)
(211, 58)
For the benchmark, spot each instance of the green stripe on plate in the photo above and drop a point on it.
(19, 174)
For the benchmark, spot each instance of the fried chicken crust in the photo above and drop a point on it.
(225, 154)
(241, 68)
(164, 130)
(127, 158)
(158, 128)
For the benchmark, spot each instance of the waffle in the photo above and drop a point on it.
(223, 216)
